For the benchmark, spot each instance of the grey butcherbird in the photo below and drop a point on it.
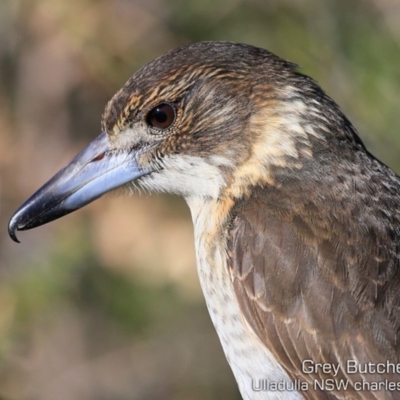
(297, 226)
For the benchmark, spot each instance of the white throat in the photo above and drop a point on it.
(187, 176)
(251, 363)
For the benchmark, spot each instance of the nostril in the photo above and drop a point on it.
(99, 157)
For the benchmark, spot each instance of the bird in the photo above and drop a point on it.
(296, 223)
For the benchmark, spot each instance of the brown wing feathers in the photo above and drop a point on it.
(314, 293)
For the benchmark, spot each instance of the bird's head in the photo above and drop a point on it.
(202, 121)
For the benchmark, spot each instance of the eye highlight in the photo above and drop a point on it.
(161, 116)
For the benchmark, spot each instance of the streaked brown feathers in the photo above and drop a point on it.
(316, 271)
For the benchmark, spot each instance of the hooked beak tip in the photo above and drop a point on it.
(12, 228)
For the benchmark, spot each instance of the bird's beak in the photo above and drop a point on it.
(93, 172)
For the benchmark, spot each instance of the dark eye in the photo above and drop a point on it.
(162, 116)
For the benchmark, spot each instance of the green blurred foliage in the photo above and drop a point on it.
(76, 319)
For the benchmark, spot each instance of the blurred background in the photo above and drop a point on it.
(105, 303)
